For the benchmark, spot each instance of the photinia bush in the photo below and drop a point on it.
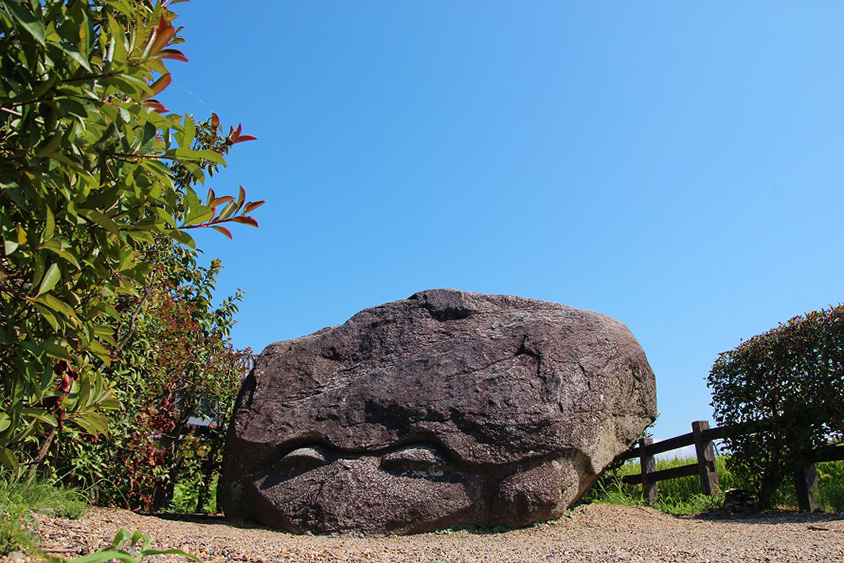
(94, 173)
(782, 392)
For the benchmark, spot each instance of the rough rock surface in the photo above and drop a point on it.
(443, 409)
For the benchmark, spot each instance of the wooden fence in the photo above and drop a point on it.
(702, 436)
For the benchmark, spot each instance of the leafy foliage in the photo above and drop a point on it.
(787, 385)
(178, 366)
(87, 194)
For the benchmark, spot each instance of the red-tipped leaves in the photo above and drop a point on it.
(235, 136)
(223, 230)
(162, 33)
(245, 220)
(159, 85)
(253, 205)
(155, 105)
(218, 200)
(173, 54)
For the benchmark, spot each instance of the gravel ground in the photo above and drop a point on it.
(591, 533)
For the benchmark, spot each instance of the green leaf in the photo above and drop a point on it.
(55, 349)
(30, 22)
(50, 225)
(100, 351)
(77, 56)
(84, 392)
(56, 305)
(93, 423)
(119, 538)
(5, 421)
(228, 210)
(166, 217)
(9, 460)
(100, 219)
(38, 414)
(104, 556)
(148, 138)
(109, 309)
(51, 278)
(110, 404)
(47, 315)
(188, 132)
(198, 215)
(151, 552)
(64, 254)
(182, 237)
(191, 199)
(47, 378)
(51, 146)
(22, 236)
(211, 156)
(195, 171)
(10, 246)
(73, 107)
(139, 536)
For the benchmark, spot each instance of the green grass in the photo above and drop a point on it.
(20, 499)
(683, 496)
(43, 497)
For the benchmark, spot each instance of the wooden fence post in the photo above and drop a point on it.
(806, 484)
(647, 465)
(705, 459)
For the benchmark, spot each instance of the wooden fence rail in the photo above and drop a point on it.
(702, 436)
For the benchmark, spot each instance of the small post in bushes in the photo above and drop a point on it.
(705, 459)
(806, 485)
(647, 465)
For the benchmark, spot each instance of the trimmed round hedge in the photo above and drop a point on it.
(782, 393)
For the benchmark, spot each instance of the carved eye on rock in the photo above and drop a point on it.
(301, 460)
(417, 461)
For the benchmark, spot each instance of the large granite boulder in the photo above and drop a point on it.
(443, 409)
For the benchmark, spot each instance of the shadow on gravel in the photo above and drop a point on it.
(219, 519)
(206, 519)
(768, 517)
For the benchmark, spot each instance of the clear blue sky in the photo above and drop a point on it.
(677, 165)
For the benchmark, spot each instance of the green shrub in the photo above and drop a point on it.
(188, 495)
(179, 365)
(830, 494)
(787, 388)
(94, 172)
